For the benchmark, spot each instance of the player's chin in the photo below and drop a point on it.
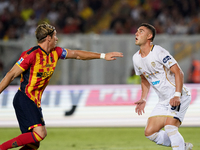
(136, 43)
(55, 46)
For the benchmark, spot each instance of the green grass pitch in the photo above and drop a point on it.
(116, 138)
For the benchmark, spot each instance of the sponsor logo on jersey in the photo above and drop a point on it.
(20, 61)
(44, 74)
(166, 59)
(169, 62)
(149, 75)
(48, 65)
(156, 82)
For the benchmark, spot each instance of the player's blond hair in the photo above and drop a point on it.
(43, 30)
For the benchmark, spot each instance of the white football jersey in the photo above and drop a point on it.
(156, 69)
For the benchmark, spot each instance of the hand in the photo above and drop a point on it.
(140, 106)
(175, 101)
(112, 55)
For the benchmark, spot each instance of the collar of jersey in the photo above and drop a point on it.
(150, 50)
(43, 50)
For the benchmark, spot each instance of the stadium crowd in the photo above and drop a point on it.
(171, 16)
(19, 17)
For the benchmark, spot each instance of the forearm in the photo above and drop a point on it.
(179, 77)
(145, 91)
(10, 76)
(85, 55)
(179, 83)
(175, 101)
(6, 81)
(145, 88)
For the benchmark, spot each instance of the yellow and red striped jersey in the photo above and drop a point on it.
(38, 67)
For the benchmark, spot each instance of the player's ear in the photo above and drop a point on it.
(149, 36)
(48, 38)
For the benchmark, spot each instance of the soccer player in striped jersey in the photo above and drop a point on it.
(158, 69)
(36, 67)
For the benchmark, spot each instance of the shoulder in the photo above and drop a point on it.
(59, 49)
(30, 52)
(160, 52)
(159, 48)
(136, 54)
(62, 52)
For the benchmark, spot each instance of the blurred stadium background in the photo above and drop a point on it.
(102, 26)
(96, 93)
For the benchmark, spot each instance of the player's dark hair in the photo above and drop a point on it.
(151, 28)
(43, 30)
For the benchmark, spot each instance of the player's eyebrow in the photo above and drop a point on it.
(141, 29)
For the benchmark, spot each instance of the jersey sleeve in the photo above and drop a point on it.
(62, 52)
(137, 72)
(25, 61)
(166, 58)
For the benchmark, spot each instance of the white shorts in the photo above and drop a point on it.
(166, 110)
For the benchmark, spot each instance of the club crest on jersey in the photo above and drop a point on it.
(20, 61)
(166, 59)
(153, 64)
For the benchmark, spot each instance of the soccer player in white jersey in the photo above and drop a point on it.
(158, 69)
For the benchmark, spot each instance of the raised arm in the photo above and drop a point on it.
(86, 55)
(10, 76)
(145, 90)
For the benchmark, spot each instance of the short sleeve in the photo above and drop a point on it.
(137, 72)
(62, 52)
(166, 58)
(25, 61)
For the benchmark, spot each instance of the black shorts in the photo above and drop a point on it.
(27, 112)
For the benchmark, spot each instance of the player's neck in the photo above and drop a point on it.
(45, 47)
(145, 49)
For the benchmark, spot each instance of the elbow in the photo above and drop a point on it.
(11, 76)
(81, 58)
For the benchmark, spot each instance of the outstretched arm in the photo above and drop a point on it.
(10, 76)
(86, 55)
(145, 90)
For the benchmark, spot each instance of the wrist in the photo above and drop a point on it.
(102, 56)
(143, 99)
(177, 94)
